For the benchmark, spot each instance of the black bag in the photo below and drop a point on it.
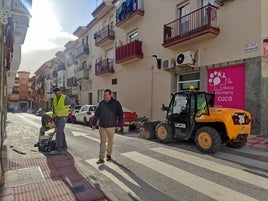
(47, 145)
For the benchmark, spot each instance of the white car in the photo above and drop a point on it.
(85, 114)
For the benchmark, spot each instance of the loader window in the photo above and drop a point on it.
(180, 104)
(201, 104)
(179, 109)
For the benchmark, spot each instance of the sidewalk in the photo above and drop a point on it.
(258, 142)
(31, 176)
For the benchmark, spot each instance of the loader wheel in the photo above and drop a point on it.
(148, 130)
(164, 132)
(208, 140)
(238, 144)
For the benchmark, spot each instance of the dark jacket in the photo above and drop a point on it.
(109, 114)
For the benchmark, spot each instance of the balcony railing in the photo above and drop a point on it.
(129, 52)
(71, 82)
(82, 50)
(104, 36)
(104, 67)
(201, 23)
(81, 73)
(128, 12)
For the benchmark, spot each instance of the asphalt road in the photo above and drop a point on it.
(147, 170)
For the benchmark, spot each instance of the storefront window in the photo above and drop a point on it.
(185, 80)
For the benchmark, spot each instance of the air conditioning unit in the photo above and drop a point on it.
(168, 63)
(185, 58)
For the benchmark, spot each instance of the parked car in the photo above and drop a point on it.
(40, 112)
(76, 109)
(72, 113)
(85, 114)
(129, 118)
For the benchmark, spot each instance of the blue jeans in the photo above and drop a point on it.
(60, 135)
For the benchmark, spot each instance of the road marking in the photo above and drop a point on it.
(195, 182)
(108, 170)
(243, 160)
(215, 167)
(75, 133)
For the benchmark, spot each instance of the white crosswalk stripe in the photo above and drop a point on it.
(75, 133)
(216, 167)
(195, 182)
(105, 170)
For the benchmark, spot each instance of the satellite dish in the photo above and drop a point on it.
(180, 58)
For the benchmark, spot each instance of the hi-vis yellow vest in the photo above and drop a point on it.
(60, 110)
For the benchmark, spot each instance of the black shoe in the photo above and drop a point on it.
(108, 158)
(100, 161)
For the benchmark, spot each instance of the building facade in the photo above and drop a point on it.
(146, 50)
(14, 19)
(20, 99)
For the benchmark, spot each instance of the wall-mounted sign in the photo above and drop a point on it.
(251, 47)
(228, 84)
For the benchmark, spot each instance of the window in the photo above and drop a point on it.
(100, 95)
(206, 2)
(133, 36)
(185, 80)
(114, 81)
(183, 25)
(84, 64)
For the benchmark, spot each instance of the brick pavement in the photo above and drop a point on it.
(31, 176)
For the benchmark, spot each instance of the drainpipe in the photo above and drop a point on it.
(152, 91)
(2, 120)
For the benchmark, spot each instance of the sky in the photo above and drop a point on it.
(51, 26)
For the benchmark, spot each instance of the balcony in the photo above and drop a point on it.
(82, 50)
(198, 25)
(71, 82)
(104, 37)
(101, 10)
(104, 67)
(129, 12)
(81, 73)
(129, 53)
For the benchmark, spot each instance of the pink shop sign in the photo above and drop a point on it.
(228, 84)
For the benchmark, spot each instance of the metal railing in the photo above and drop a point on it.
(196, 21)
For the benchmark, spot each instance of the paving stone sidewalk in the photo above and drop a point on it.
(32, 176)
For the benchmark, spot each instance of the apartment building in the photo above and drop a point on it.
(145, 50)
(19, 100)
(159, 47)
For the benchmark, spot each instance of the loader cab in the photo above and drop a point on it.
(183, 109)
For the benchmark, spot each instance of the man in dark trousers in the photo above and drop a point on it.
(109, 114)
(61, 107)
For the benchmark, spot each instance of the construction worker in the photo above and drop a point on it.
(61, 104)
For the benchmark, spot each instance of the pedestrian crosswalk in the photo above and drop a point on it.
(205, 186)
(216, 167)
